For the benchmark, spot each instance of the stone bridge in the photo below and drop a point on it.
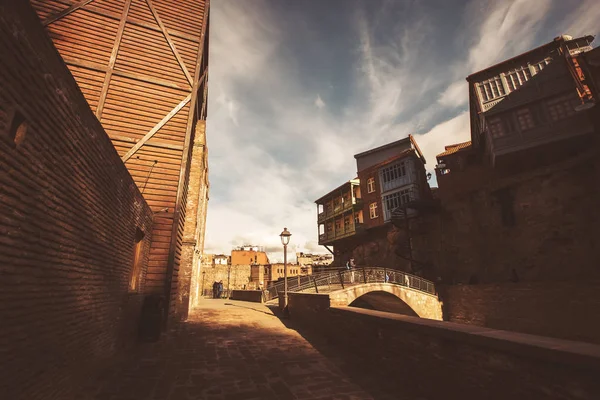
(372, 288)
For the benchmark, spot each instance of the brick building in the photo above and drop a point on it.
(519, 219)
(527, 160)
(361, 218)
(142, 67)
(75, 230)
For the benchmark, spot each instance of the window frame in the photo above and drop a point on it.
(371, 185)
(373, 210)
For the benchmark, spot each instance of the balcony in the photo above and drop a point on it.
(335, 211)
(344, 232)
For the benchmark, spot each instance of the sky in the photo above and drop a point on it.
(297, 87)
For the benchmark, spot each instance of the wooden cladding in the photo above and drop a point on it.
(136, 63)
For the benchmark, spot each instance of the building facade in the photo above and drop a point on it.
(143, 69)
(75, 229)
(391, 187)
(391, 177)
(339, 213)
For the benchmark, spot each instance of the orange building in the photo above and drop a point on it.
(249, 255)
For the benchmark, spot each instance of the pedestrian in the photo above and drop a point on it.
(220, 289)
(387, 277)
(215, 289)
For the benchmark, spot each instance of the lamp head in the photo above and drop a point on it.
(285, 236)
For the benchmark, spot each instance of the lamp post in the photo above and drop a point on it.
(285, 239)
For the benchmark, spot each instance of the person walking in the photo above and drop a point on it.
(215, 289)
(220, 289)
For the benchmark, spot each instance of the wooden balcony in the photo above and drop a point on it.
(344, 232)
(336, 211)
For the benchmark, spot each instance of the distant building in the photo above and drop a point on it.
(244, 255)
(313, 259)
(275, 271)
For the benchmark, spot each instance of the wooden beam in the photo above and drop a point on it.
(65, 12)
(152, 131)
(131, 75)
(159, 145)
(134, 21)
(171, 44)
(112, 60)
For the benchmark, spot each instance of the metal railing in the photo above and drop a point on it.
(332, 280)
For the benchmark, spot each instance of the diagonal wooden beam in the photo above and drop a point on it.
(152, 131)
(65, 12)
(171, 44)
(112, 60)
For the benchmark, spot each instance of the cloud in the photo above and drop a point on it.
(319, 102)
(386, 69)
(508, 28)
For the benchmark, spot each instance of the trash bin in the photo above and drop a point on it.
(151, 318)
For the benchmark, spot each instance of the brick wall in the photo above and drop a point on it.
(195, 215)
(373, 197)
(68, 217)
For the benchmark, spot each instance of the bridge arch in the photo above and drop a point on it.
(423, 304)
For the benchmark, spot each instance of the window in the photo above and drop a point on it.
(338, 224)
(394, 172)
(518, 77)
(561, 107)
(525, 119)
(134, 278)
(395, 200)
(373, 210)
(495, 127)
(347, 223)
(491, 89)
(370, 185)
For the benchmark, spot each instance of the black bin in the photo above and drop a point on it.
(151, 318)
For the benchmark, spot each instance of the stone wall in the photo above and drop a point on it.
(553, 234)
(69, 212)
(558, 309)
(237, 276)
(419, 358)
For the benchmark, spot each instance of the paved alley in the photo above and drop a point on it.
(229, 350)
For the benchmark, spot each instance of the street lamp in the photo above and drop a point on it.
(285, 239)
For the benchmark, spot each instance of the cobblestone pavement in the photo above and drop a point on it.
(229, 350)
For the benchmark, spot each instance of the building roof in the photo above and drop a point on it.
(409, 139)
(384, 147)
(555, 43)
(351, 182)
(453, 148)
(390, 160)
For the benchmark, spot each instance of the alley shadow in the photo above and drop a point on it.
(364, 370)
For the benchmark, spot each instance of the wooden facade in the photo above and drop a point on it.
(142, 66)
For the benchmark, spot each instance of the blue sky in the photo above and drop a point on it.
(297, 87)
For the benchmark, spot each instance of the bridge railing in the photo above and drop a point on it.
(335, 280)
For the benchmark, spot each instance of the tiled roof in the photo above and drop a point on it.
(453, 148)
